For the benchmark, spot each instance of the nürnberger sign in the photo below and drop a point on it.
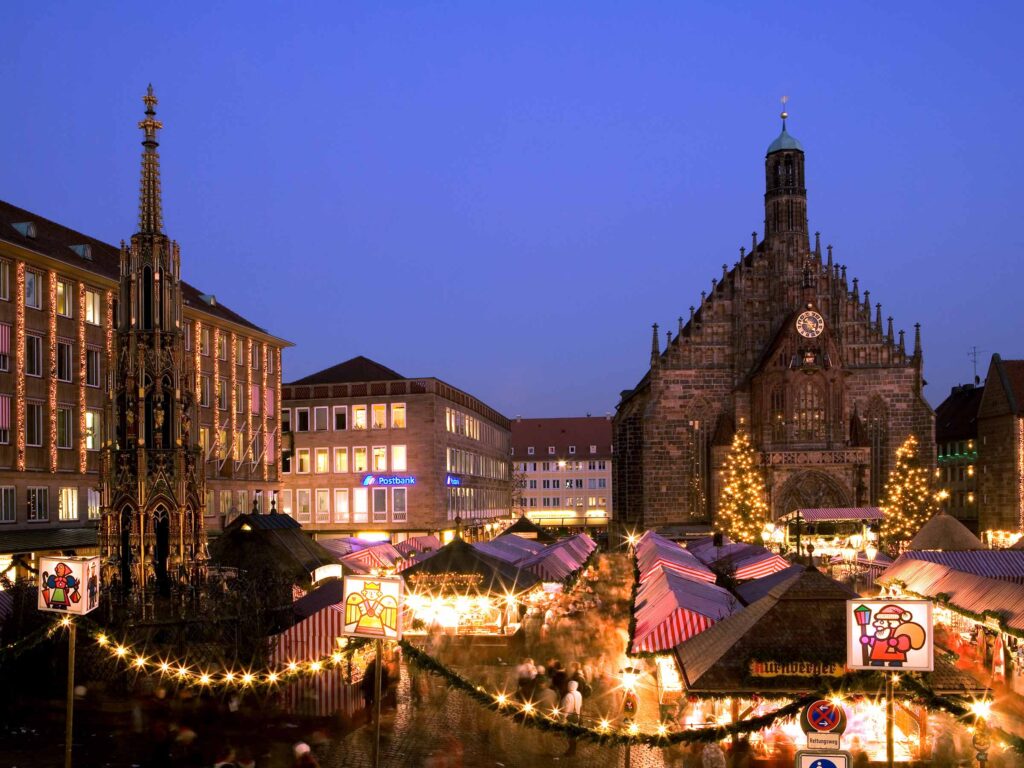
(796, 669)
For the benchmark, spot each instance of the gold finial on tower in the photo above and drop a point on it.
(150, 207)
(784, 114)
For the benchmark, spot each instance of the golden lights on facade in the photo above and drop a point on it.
(19, 364)
(51, 369)
(82, 374)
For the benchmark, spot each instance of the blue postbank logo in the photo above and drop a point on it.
(389, 480)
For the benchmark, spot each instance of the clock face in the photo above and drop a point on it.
(810, 324)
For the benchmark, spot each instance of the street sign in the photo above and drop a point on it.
(823, 740)
(69, 585)
(830, 759)
(372, 606)
(823, 716)
(890, 635)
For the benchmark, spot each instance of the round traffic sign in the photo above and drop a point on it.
(823, 716)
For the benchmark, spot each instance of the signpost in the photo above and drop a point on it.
(833, 759)
(69, 586)
(373, 608)
(823, 721)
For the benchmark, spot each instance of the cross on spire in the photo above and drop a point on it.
(150, 205)
(784, 114)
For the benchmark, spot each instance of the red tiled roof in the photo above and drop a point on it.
(581, 432)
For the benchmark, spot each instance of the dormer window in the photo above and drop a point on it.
(26, 228)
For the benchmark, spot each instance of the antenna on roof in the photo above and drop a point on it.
(973, 354)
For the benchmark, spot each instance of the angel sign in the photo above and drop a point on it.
(371, 607)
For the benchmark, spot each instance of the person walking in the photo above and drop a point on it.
(572, 708)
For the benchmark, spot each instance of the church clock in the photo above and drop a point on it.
(810, 324)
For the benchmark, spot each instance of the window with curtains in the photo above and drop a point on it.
(7, 509)
(65, 298)
(5, 347)
(398, 501)
(5, 419)
(254, 398)
(269, 395)
(93, 308)
(341, 505)
(323, 505)
(5, 281)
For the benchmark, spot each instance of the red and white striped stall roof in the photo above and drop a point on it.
(759, 565)
(313, 638)
(1003, 564)
(670, 608)
(834, 514)
(654, 551)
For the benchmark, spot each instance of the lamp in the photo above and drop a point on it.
(870, 551)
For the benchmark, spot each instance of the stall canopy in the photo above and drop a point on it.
(671, 607)
(1001, 564)
(510, 548)
(525, 528)
(654, 552)
(560, 561)
(944, 532)
(455, 565)
(785, 642)
(417, 545)
(833, 514)
(740, 561)
(380, 556)
(963, 591)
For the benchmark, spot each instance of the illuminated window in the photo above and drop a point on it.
(360, 504)
(204, 441)
(204, 391)
(204, 342)
(8, 514)
(359, 462)
(380, 416)
(65, 299)
(64, 425)
(323, 463)
(239, 351)
(222, 443)
(67, 504)
(380, 505)
(37, 504)
(398, 502)
(398, 458)
(227, 504)
(33, 289)
(238, 448)
(302, 419)
(222, 346)
(398, 415)
(593, 449)
(302, 511)
(93, 430)
(320, 418)
(302, 461)
(33, 355)
(208, 509)
(243, 502)
(810, 413)
(239, 397)
(93, 503)
(340, 418)
(222, 394)
(284, 502)
(93, 313)
(92, 367)
(5, 281)
(380, 458)
(340, 460)
(323, 505)
(34, 424)
(358, 417)
(341, 505)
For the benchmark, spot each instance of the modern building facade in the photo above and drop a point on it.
(956, 442)
(783, 346)
(61, 301)
(1001, 450)
(369, 452)
(563, 470)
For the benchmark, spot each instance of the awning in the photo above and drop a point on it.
(670, 608)
(654, 551)
(1002, 564)
(833, 514)
(48, 539)
(560, 561)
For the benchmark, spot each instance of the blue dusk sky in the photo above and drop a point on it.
(507, 195)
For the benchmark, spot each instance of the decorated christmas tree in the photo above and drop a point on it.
(908, 501)
(742, 511)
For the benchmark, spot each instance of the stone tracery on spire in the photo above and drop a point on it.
(150, 205)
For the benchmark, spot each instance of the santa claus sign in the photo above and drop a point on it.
(890, 635)
(69, 585)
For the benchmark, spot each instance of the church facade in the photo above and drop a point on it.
(787, 348)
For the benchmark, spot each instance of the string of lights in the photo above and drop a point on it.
(742, 510)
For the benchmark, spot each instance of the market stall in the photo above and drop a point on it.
(831, 530)
(654, 552)
(669, 608)
(740, 561)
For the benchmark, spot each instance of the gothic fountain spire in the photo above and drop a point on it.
(150, 205)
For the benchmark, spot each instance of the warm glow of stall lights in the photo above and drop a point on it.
(247, 678)
(604, 725)
(631, 538)
(65, 621)
(501, 699)
(272, 677)
(121, 651)
(165, 667)
(981, 708)
(182, 672)
(528, 708)
(229, 677)
(204, 679)
(140, 662)
(629, 679)
(315, 666)
(556, 712)
(373, 536)
(336, 658)
(292, 666)
(837, 700)
(662, 729)
(633, 729)
(101, 639)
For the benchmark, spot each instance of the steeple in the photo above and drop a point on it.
(655, 351)
(150, 206)
(785, 198)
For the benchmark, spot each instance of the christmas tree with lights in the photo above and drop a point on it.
(742, 511)
(908, 501)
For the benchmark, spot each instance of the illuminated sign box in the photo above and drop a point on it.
(69, 585)
(452, 480)
(890, 634)
(389, 480)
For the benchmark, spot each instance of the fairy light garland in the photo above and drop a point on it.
(82, 376)
(267, 454)
(19, 364)
(51, 369)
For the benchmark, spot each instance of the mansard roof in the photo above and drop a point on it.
(63, 244)
(956, 418)
(353, 370)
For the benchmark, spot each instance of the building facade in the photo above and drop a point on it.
(956, 442)
(1001, 450)
(372, 453)
(563, 470)
(60, 300)
(786, 347)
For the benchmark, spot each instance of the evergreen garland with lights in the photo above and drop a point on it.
(742, 511)
(907, 500)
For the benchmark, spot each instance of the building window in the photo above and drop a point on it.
(33, 289)
(302, 419)
(222, 346)
(222, 443)
(204, 442)
(358, 417)
(255, 357)
(341, 505)
(810, 413)
(93, 308)
(33, 355)
(7, 509)
(302, 512)
(360, 505)
(67, 504)
(238, 447)
(380, 458)
(92, 367)
(286, 461)
(323, 505)
(239, 351)
(5, 280)
(593, 449)
(398, 501)
(239, 397)
(37, 504)
(93, 430)
(284, 505)
(398, 415)
(34, 424)
(320, 418)
(65, 299)
(204, 342)
(302, 461)
(323, 462)
(380, 505)
(187, 330)
(64, 363)
(551, 450)
(93, 504)
(398, 463)
(204, 391)
(222, 394)
(530, 451)
(64, 424)
(380, 415)
(340, 418)
(226, 504)
(5, 347)
(286, 420)
(572, 450)
(359, 462)
(340, 460)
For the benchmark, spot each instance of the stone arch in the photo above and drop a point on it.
(810, 489)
